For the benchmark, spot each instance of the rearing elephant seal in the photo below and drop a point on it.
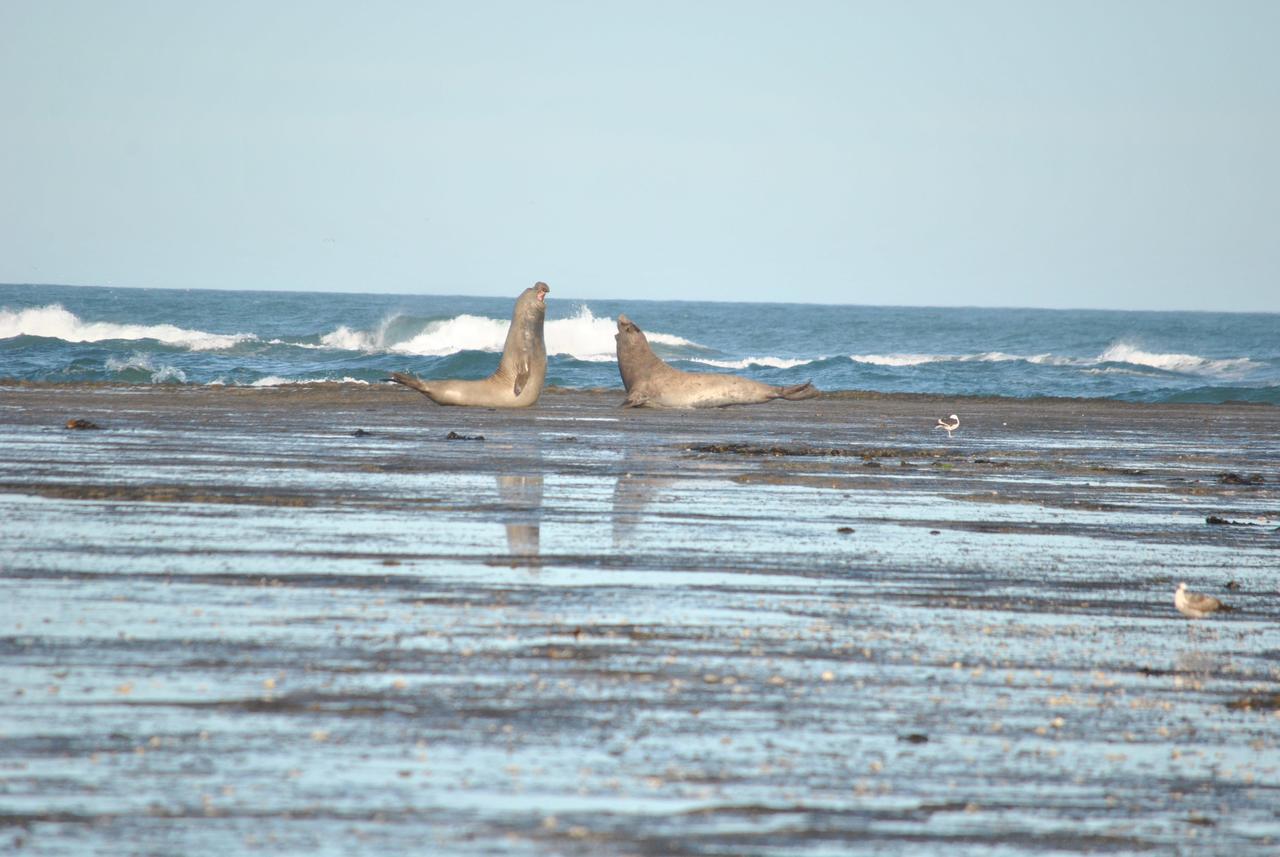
(651, 383)
(518, 381)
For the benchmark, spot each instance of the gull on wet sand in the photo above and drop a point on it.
(1195, 605)
(951, 423)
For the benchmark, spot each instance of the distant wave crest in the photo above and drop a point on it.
(747, 362)
(919, 359)
(55, 322)
(1118, 353)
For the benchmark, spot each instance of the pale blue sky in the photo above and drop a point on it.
(1073, 154)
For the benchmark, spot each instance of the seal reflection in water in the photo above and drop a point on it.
(651, 383)
(518, 381)
(522, 497)
(633, 493)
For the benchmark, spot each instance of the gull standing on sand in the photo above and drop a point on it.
(1195, 605)
(951, 423)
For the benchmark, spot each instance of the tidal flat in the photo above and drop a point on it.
(337, 619)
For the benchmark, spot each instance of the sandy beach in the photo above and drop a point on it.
(336, 619)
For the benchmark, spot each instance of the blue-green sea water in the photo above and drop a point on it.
(171, 336)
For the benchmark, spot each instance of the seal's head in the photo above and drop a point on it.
(532, 303)
(629, 337)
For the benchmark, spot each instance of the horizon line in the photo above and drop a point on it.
(643, 300)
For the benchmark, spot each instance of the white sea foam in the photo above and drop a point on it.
(460, 333)
(1056, 360)
(1192, 364)
(346, 339)
(896, 359)
(1121, 370)
(55, 322)
(747, 362)
(920, 359)
(437, 338)
(582, 336)
(277, 381)
(993, 357)
(143, 362)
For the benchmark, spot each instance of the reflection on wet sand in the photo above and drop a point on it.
(632, 494)
(1194, 668)
(522, 501)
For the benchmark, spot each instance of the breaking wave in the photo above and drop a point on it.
(143, 365)
(748, 362)
(920, 359)
(436, 339)
(1187, 364)
(582, 336)
(277, 381)
(55, 322)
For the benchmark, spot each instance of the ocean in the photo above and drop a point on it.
(261, 338)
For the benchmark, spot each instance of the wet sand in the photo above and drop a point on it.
(302, 619)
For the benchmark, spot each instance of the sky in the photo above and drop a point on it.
(1046, 154)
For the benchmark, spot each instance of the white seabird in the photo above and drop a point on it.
(1195, 605)
(951, 423)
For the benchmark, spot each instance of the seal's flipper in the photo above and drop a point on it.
(800, 392)
(410, 381)
(522, 377)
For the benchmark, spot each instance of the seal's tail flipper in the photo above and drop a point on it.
(799, 391)
(410, 381)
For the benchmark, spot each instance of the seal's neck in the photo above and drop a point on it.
(636, 359)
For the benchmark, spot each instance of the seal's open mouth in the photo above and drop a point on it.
(542, 288)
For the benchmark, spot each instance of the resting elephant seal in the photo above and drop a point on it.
(651, 383)
(518, 381)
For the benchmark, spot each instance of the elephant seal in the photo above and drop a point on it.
(651, 383)
(518, 381)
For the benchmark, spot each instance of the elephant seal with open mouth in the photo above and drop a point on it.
(651, 383)
(518, 381)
